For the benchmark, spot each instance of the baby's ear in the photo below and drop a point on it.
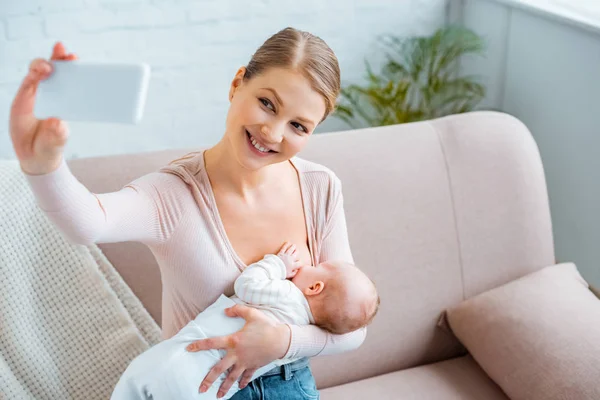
(315, 288)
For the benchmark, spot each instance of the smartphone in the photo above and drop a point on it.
(94, 92)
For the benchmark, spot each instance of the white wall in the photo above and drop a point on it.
(545, 70)
(194, 49)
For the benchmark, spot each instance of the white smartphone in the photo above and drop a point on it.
(94, 92)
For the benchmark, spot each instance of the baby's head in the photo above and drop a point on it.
(342, 298)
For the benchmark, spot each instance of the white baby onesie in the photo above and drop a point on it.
(168, 371)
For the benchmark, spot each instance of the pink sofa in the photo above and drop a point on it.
(437, 211)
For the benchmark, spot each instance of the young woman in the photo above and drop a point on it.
(208, 215)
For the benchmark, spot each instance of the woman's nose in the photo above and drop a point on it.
(273, 134)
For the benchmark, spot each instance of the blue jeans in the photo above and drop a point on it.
(292, 381)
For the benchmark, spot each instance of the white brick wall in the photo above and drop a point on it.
(194, 48)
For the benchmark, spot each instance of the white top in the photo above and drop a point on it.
(263, 285)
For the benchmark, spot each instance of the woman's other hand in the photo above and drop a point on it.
(260, 342)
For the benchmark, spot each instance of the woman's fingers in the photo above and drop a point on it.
(232, 376)
(39, 69)
(246, 377)
(58, 51)
(209, 344)
(38, 144)
(23, 124)
(53, 134)
(40, 66)
(23, 103)
(216, 371)
(240, 311)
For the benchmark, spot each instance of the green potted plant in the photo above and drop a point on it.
(419, 81)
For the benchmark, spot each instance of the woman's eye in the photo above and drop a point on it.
(299, 127)
(267, 103)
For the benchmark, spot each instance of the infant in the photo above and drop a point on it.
(337, 296)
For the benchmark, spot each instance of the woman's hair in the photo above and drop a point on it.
(308, 54)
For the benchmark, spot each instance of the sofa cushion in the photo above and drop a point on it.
(455, 379)
(537, 337)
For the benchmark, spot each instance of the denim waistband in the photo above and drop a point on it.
(287, 369)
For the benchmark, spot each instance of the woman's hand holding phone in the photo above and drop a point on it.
(60, 89)
(38, 143)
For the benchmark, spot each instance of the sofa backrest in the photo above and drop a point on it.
(437, 212)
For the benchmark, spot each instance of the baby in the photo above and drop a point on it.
(336, 296)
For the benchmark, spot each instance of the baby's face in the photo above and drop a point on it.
(309, 275)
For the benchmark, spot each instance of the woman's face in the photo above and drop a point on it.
(271, 116)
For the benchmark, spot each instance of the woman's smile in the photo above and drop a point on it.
(258, 147)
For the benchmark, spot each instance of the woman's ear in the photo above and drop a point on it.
(314, 289)
(237, 81)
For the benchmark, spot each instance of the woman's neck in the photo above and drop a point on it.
(225, 171)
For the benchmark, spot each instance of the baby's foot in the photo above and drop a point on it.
(289, 255)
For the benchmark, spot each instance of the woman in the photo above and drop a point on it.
(208, 215)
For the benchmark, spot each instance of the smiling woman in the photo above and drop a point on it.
(210, 214)
(264, 120)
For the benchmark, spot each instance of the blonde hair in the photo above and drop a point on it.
(302, 51)
(333, 316)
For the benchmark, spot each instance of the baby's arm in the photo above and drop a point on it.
(265, 283)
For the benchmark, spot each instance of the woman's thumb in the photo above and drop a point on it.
(239, 311)
(51, 137)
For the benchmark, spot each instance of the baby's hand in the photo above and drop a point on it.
(289, 256)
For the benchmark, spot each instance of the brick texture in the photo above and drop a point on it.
(194, 48)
